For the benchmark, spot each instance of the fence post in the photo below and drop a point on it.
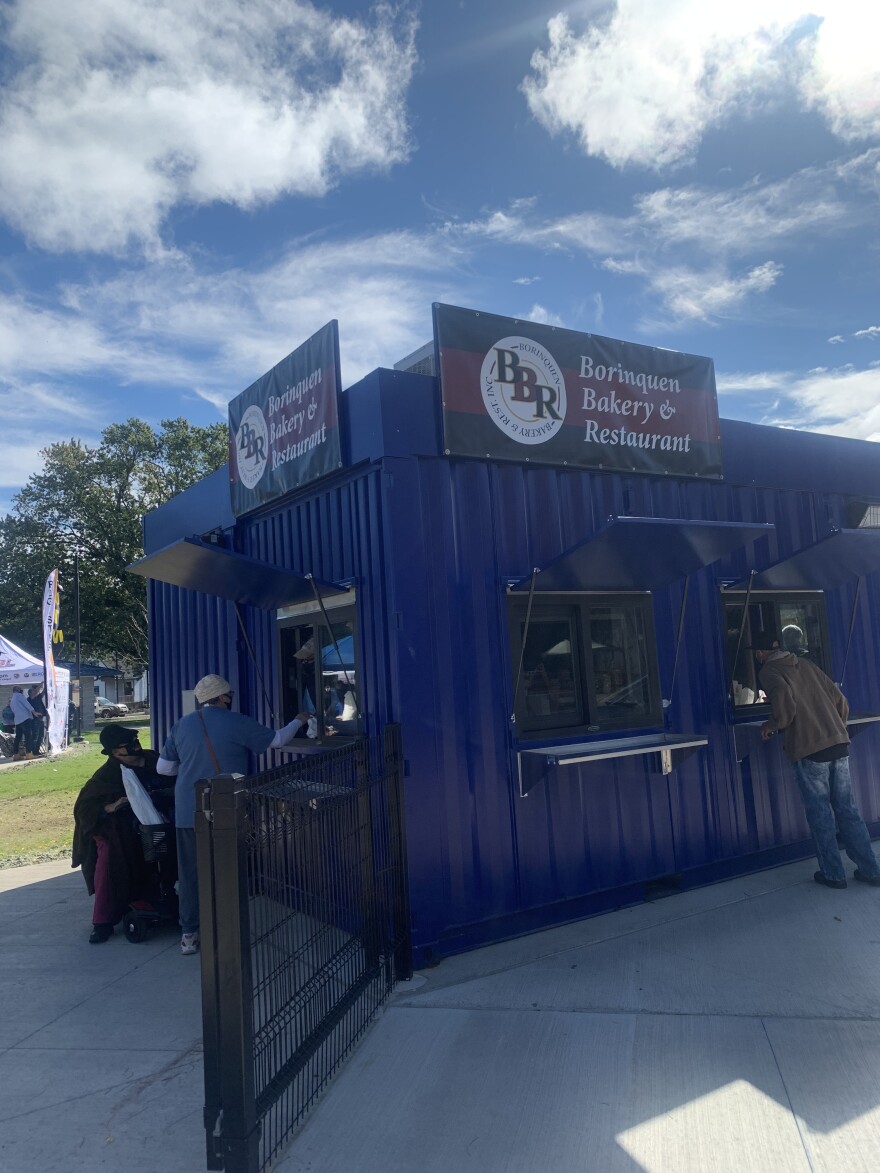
(397, 840)
(208, 957)
(367, 898)
(239, 1141)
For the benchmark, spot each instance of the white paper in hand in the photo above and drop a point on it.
(144, 809)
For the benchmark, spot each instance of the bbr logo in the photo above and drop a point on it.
(523, 390)
(524, 380)
(251, 446)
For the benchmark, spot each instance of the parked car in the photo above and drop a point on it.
(107, 708)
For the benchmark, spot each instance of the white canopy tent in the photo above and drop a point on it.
(17, 667)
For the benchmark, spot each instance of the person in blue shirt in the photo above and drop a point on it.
(23, 714)
(212, 740)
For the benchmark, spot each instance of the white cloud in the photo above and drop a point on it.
(210, 334)
(869, 332)
(19, 459)
(36, 414)
(643, 85)
(836, 339)
(752, 382)
(50, 340)
(539, 313)
(815, 202)
(707, 296)
(842, 75)
(115, 111)
(720, 243)
(641, 245)
(841, 401)
(525, 280)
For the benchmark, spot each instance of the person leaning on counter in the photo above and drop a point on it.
(811, 713)
(212, 740)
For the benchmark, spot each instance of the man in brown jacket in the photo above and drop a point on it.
(811, 712)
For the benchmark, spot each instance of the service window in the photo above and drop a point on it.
(796, 620)
(319, 672)
(588, 663)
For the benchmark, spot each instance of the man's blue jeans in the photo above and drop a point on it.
(187, 880)
(826, 791)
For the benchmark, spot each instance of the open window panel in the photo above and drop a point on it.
(796, 620)
(589, 663)
(318, 664)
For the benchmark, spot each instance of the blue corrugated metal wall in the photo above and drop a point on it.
(430, 543)
(335, 535)
(191, 634)
(485, 862)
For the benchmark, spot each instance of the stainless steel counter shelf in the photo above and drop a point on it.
(578, 753)
(747, 734)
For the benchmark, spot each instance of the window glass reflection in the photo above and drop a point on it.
(549, 668)
(620, 664)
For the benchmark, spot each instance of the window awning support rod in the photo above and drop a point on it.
(742, 627)
(852, 624)
(522, 650)
(681, 614)
(249, 646)
(349, 684)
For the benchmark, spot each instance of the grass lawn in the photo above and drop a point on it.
(36, 799)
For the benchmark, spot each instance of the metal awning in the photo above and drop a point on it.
(834, 560)
(642, 554)
(214, 570)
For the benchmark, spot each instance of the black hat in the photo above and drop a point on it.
(115, 736)
(763, 641)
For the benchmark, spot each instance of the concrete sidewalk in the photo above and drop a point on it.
(100, 1046)
(734, 1028)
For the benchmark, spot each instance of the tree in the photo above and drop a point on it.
(91, 500)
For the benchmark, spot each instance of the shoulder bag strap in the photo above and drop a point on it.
(214, 760)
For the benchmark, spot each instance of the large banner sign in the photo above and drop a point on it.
(515, 390)
(284, 429)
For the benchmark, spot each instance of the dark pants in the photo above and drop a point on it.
(36, 729)
(22, 736)
(187, 880)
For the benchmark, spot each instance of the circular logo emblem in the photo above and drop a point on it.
(523, 390)
(251, 446)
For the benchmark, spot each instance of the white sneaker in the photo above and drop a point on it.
(189, 943)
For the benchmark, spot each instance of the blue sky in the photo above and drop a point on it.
(189, 189)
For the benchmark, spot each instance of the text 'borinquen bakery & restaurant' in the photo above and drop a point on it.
(543, 556)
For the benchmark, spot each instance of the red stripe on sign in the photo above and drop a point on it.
(460, 381)
(689, 410)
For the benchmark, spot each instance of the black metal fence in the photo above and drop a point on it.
(304, 931)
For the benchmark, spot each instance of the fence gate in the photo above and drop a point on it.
(304, 931)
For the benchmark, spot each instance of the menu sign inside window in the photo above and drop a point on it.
(284, 429)
(515, 390)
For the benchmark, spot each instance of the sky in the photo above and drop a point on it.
(191, 188)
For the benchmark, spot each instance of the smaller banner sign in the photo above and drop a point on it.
(515, 390)
(56, 691)
(284, 429)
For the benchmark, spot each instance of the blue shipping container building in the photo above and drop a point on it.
(564, 648)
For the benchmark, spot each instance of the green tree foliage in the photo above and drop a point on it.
(91, 500)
